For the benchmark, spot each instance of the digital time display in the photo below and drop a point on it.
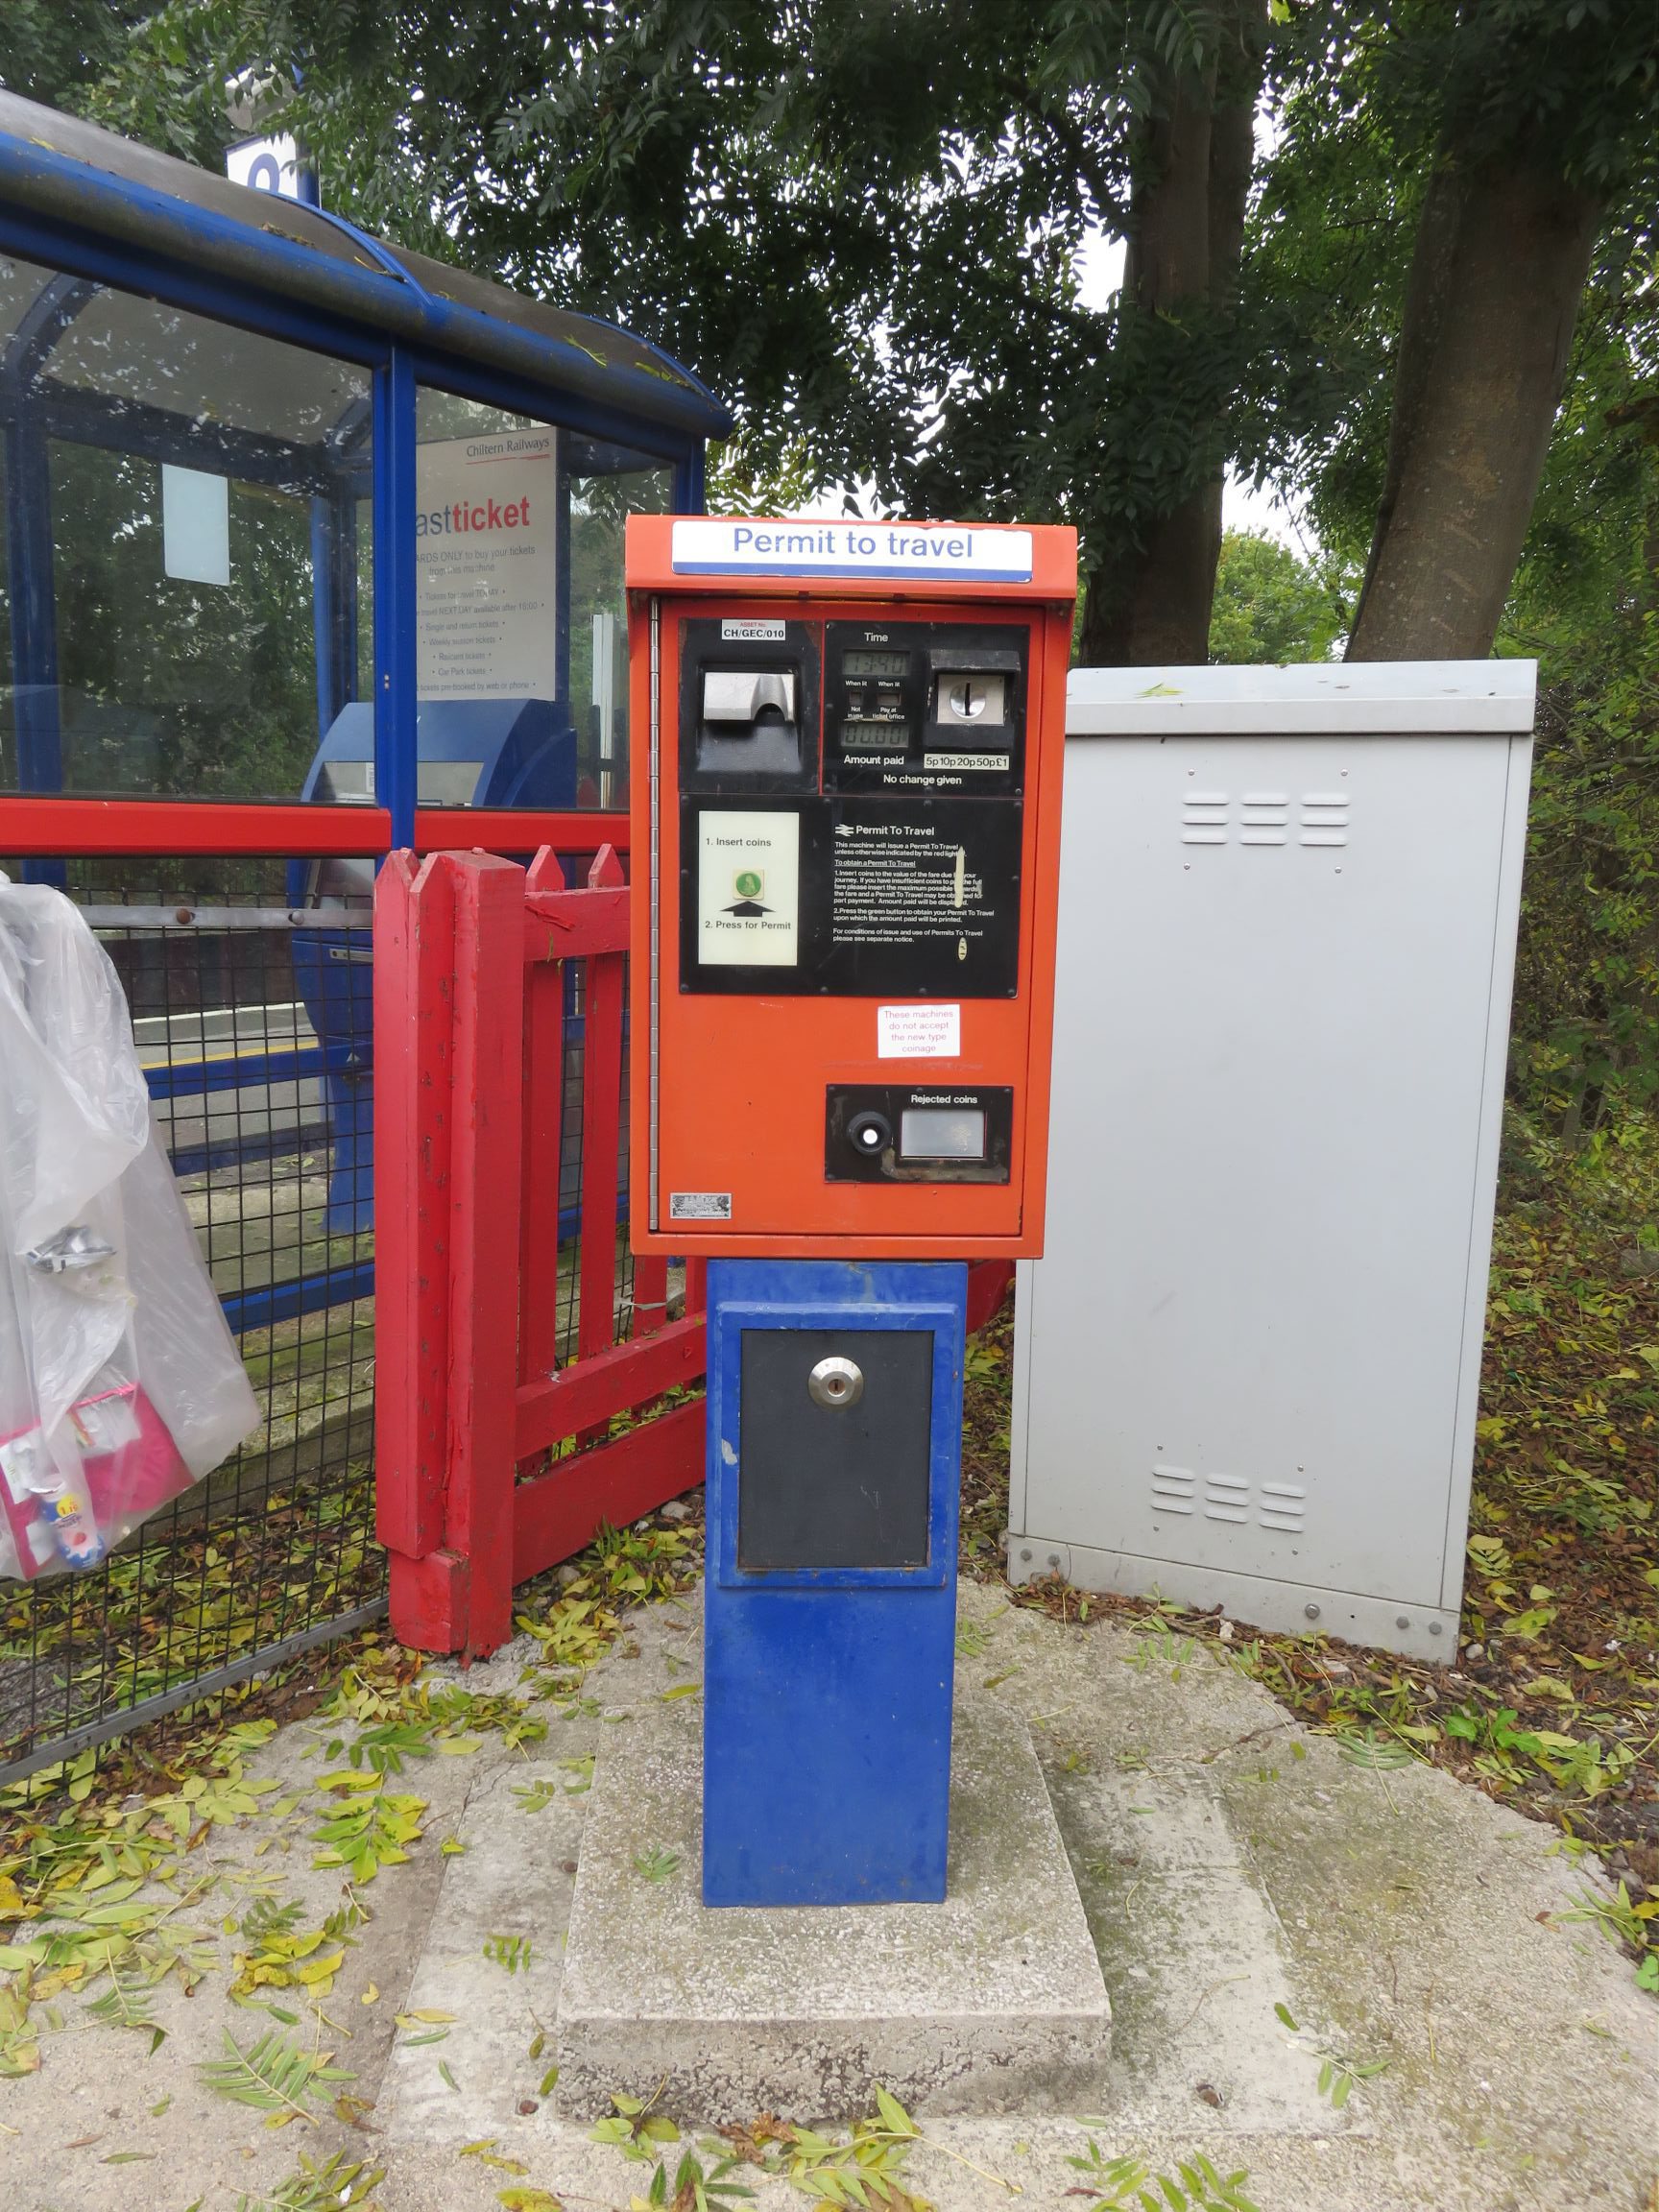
(875, 665)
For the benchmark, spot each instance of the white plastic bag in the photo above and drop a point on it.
(120, 1384)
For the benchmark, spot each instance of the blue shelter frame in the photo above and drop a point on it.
(98, 216)
(100, 211)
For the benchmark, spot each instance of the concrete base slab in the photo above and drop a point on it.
(992, 2002)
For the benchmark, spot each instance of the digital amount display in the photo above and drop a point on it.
(860, 736)
(875, 664)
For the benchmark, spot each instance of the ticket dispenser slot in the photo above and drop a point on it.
(748, 708)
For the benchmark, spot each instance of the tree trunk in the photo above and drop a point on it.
(1148, 602)
(1497, 274)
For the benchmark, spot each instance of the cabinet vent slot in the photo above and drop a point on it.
(1174, 1489)
(1324, 818)
(1226, 1498)
(1204, 817)
(1282, 1508)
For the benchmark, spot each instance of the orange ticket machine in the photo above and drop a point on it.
(846, 743)
(846, 795)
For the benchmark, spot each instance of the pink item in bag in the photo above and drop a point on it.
(129, 1463)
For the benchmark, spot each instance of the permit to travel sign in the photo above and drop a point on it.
(915, 552)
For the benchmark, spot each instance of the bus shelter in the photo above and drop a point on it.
(312, 551)
(313, 548)
(262, 468)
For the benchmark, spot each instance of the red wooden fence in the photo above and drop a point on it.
(470, 953)
(469, 1001)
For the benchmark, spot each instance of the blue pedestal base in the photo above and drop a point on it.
(828, 1685)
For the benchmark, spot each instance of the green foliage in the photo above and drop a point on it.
(1623, 1920)
(865, 2172)
(632, 2127)
(1586, 1014)
(280, 1955)
(657, 1864)
(868, 2171)
(322, 2187)
(1365, 1747)
(371, 1830)
(126, 2005)
(1332, 235)
(52, 50)
(1366, 100)
(1337, 2072)
(274, 2077)
(1158, 1645)
(383, 1748)
(694, 2187)
(1271, 607)
(487, 2154)
(1128, 2184)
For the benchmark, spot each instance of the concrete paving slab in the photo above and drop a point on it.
(493, 1960)
(990, 2002)
(1410, 1919)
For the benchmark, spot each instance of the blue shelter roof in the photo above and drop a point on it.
(64, 171)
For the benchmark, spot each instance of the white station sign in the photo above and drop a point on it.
(266, 164)
(912, 552)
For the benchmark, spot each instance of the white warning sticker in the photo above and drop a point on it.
(699, 1205)
(919, 1033)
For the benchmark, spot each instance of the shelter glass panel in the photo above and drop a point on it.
(189, 539)
(608, 483)
(521, 619)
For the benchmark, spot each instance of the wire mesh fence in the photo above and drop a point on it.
(275, 1549)
(252, 1022)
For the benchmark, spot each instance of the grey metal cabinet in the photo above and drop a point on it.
(1247, 1365)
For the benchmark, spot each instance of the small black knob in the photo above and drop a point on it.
(870, 1135)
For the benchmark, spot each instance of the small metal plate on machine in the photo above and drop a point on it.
(834, 1479)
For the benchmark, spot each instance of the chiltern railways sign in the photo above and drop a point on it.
(918, 551)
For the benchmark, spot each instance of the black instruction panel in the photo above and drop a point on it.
(878, 854)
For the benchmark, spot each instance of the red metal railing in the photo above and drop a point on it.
(58, 825)
(470, 1013)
